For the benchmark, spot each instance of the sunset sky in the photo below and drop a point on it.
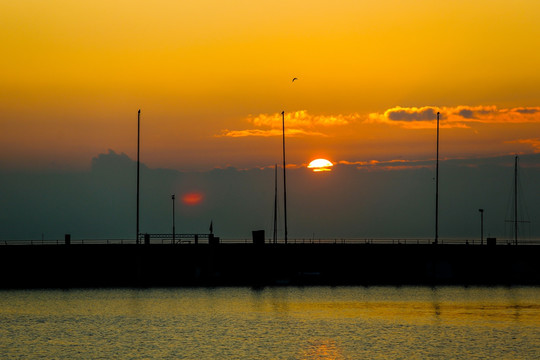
(211, 79)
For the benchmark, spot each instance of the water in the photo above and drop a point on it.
(272, 323)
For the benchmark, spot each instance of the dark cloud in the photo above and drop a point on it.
(527, 110)
(466, 113)
(422, 114)
(342, 204)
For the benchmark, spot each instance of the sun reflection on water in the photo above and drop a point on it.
(323, 350)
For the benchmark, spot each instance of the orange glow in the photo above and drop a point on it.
(79, 71)
(320, 165)
(192, 198)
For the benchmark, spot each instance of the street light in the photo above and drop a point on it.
(173, 230)
(481, 226)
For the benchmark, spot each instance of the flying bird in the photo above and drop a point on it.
(294, 79)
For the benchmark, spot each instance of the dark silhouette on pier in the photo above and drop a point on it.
(212, 263)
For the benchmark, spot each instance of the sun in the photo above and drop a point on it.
(320, 165)
(192, 198)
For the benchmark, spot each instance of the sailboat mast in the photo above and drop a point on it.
(284, 177)
(138, 162)
(516, 200)
(437, 187)
(275, 204)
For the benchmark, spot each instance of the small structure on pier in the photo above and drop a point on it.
(179, 238)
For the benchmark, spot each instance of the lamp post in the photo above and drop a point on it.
(173, 230)
(481, 226)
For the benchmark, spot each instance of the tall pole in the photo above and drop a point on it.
(138, 166)
(275, 204)
(173, 230)
(481, 226)
(516, 201)
(284, 177)
(437, 187)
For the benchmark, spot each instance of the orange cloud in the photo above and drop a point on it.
(298, 123)
(301, 119)
(267, 133)
(396, 164)
(534, 143)
(454, 117)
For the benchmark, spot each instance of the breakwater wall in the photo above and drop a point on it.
(162, 265)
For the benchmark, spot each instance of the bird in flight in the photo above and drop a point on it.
(294, 79)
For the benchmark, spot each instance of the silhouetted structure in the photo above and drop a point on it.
(173, 228)
(274, 238)
(284, 177)
(437, 187)
(516, 182)
(259, 264)
(481, 226)
(258, 237)
(213, 240)
(138, 166)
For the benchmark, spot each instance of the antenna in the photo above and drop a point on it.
(284, 177)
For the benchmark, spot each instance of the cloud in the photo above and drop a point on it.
(267, 133)
(301, 119)
(385, 165)
(302, 123)
(298, 123)
(454, 117)
(527, 110)
(534, 143)
(411, 114)
(466, 113)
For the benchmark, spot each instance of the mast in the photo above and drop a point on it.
(516, 200)
(437, 187)
(284, 177)
(173, 228)
(481, 226)
(516, 185)
(275, 204)
(138, 165)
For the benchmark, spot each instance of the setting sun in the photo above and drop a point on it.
(192, 198)
(319, 165)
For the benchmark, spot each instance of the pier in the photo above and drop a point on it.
(163, 264)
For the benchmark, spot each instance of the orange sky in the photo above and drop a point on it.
(211, 79)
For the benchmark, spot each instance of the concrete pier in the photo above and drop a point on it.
(156, 265)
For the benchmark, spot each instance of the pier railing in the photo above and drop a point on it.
(202, 239)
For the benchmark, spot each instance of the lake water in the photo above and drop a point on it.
(272, 323)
